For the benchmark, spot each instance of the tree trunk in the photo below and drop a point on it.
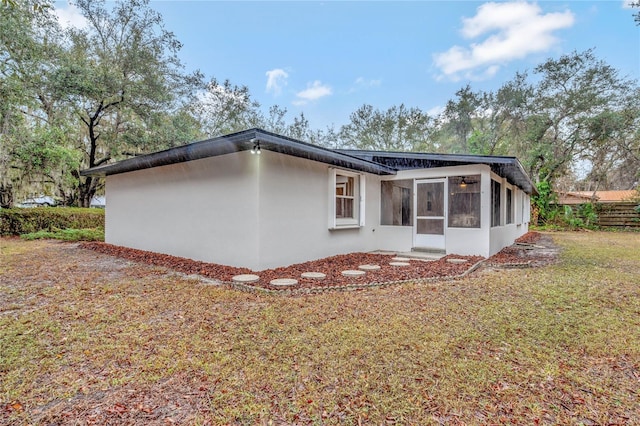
(6, 196)
(86, 190)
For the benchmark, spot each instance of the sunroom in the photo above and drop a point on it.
(460, 204)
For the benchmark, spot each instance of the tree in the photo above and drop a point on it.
(397, 129)
(476, 122)
(116, 76)
(457, 120)
(37, 6)
(30, 45)
(614, 146)
(225, 108)
(559, 120)
(636, 16)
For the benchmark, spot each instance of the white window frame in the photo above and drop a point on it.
(509, 215)
(358, 200)
(519, 211)
(526, 208)
(500, 200)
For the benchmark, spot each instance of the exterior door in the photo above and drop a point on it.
(430, 214)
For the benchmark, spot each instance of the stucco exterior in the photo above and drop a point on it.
(203, 210)
(483, 241)
(217, 201)
(270, 210)
(255, 211)
(294, 203)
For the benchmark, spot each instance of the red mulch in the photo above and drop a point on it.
(180, 264)
(331, 266)
(530, 237)
(522, 254)
(526, 252)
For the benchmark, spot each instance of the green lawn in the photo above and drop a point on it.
(88, 339)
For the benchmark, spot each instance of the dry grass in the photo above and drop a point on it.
(89, 339)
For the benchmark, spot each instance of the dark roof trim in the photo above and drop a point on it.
(506, 167)
(375, 162)
(236, 142)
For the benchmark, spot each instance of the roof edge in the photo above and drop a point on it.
(179, 154)
(237, 142)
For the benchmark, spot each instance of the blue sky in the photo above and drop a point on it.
(328, 58)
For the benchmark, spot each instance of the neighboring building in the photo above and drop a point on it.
(581, 197)
(41, 201)
(98, 202)
(260, 200)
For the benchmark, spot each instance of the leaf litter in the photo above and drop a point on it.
(86, 343)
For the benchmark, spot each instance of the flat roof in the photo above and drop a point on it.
(506, 167)
(236, 142)
(375, 162)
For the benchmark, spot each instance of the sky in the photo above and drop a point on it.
(328, 58)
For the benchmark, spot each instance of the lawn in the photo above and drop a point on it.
(90, 339)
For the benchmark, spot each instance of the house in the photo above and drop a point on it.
(581, 197)
(259, 200)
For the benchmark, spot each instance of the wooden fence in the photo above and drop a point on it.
(618, 214)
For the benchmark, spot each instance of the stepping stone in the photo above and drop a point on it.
(314, 275)
(245, 278)
(283, 282)
(401, 259)
(457, 261)
(353, 273)
(399, 263)
(369, 267)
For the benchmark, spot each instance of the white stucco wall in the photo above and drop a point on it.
(255, 211)
(294, 206)
(506, 234)
(270, 210)
(204, 210)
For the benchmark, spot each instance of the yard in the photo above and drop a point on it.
(90, 339)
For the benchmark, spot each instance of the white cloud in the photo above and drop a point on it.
(70, 16)
(511, 30)
(314, 91)
(363, 82)
(435, 111)
(276, 80)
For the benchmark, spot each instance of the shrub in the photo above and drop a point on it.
(544, 207)
(584, 216)
(19, 221)
(67, 235)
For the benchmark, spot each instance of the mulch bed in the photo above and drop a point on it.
(533, 249)
(331, 266)
(519, 255)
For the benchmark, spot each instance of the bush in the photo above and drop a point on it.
(543, 206)
(67, 235)
(584, 216)
(20, 221)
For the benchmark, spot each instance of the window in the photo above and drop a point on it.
(464, 201)
(518, 201)
(395, 202)
(509, 206)
(526, 208)
(347, 199)
(495, 203)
